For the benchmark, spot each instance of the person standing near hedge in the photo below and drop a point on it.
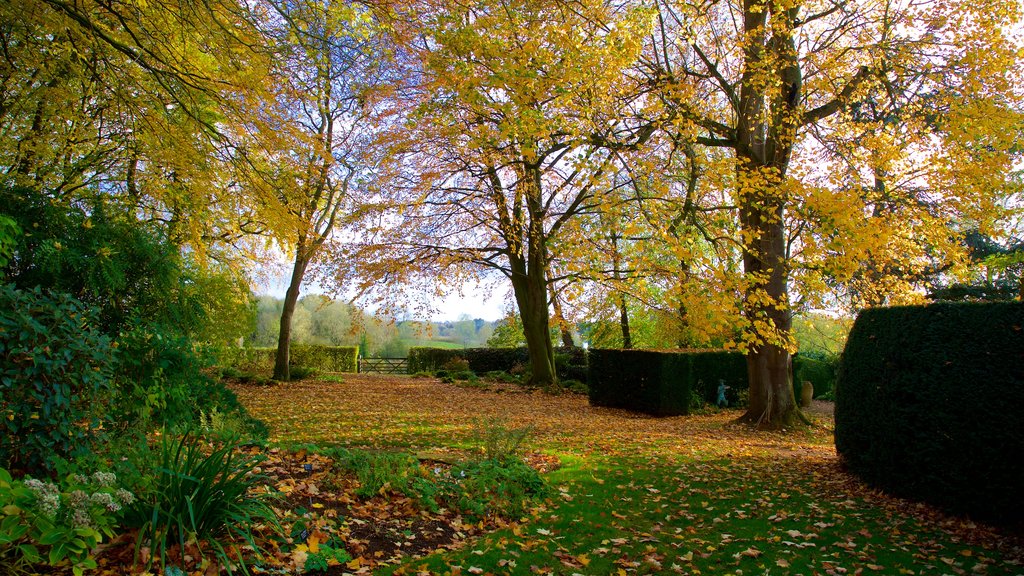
(722, 402)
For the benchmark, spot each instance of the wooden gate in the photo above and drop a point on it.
(384, 365)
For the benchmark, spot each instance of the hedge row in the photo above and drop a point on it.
(481, 360)
(570, 363)
(928, 405)
(320, 358)
(661, 383)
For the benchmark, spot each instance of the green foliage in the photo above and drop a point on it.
(379, 472)
(662, 383)
(456, 364)
(56, 372)
(312, 357)
(508, 333)
(301, 372)
(201, 496)
(820, 334)
(322, 559)
(575, 386)
(326, 358)
(153, 302)
(493, 488)
(921, 404)
(42, 522)
(9, 234)
(570, 362)
(497, 441)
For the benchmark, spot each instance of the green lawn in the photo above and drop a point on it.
(637, 495)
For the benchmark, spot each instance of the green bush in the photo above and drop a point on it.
(497, 441)
(381, 471)
(44, 522)
(56, 372)
(641, 380)
(296, 373)
(311, 356)
(926, 405)
(493, 488)
(202, 497)
(570, 363)
(662, 383)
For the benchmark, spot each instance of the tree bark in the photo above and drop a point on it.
(627, 338)
(563, 326)
(291, 297)
(766, 130)
(530, 291)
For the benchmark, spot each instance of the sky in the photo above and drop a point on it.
(474, 301)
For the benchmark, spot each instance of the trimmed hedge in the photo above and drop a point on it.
(320, 358)
(928, 405)
(570, 363)
(707, 367)
(660, 383)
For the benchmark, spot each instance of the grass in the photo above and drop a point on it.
(637, 495)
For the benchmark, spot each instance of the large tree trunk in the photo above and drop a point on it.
(772, 404)
(766, 131)
(291, 298)
(531, 296)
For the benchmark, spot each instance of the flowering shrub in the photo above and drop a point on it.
(68, 522)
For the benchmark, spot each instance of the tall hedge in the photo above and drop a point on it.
(928, 405)
(320, 358)
(660, 382)
(570, 362)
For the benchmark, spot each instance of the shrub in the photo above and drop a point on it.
(301, 372)
(576, 387)
(926, 405)
(490, 488)
(497, 441)
(661, 382)
(44, 522)
(481, 360)
(381, 471)
(642, 380)
(456, 364)
(56, 372)
(314, 357)
(201, 497)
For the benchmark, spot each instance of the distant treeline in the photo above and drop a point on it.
(319, 320)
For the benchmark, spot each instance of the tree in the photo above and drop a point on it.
(521, 105)
(129, 99)
(772, 82)
(312, 133)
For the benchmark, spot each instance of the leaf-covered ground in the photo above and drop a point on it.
(636, 495)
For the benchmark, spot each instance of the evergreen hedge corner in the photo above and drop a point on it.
(928, 405)
(648, 381)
